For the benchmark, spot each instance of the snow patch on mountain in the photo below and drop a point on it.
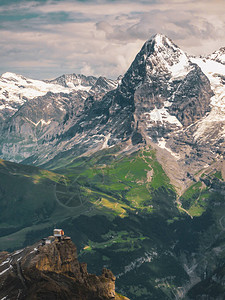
(215, 71)
(6, 106)
(218, 56)
(15, 87)
(105, 144)
(79, 87)
(42, 122)
(161, 115)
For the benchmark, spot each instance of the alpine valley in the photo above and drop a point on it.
(132, 169)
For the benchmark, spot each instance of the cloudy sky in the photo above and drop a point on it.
(46, 38)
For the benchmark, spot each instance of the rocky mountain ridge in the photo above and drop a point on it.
(16, 90)
(52, 271)
(45, 111)
(86, 83)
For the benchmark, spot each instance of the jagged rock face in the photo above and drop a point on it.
(192, 98)
(103, 85)
(38, 122)
(218, 56)
(52, 271)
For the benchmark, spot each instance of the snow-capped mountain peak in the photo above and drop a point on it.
(11, 75)
(162, 55)
(161, 40)
(159, 56)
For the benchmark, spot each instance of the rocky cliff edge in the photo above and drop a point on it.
(51, 270)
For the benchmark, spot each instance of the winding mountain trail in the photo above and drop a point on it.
(179, 204)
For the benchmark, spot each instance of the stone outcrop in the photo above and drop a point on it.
(52, 271)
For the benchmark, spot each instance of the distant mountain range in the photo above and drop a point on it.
(36, 115)
(136, 169)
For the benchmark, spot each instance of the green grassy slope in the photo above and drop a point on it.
(121, 212)
(120, 184)
(26, 200)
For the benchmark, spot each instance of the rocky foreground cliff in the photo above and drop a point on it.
(52, 271)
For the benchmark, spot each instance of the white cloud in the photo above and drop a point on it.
(86, 69)
(103, 37)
